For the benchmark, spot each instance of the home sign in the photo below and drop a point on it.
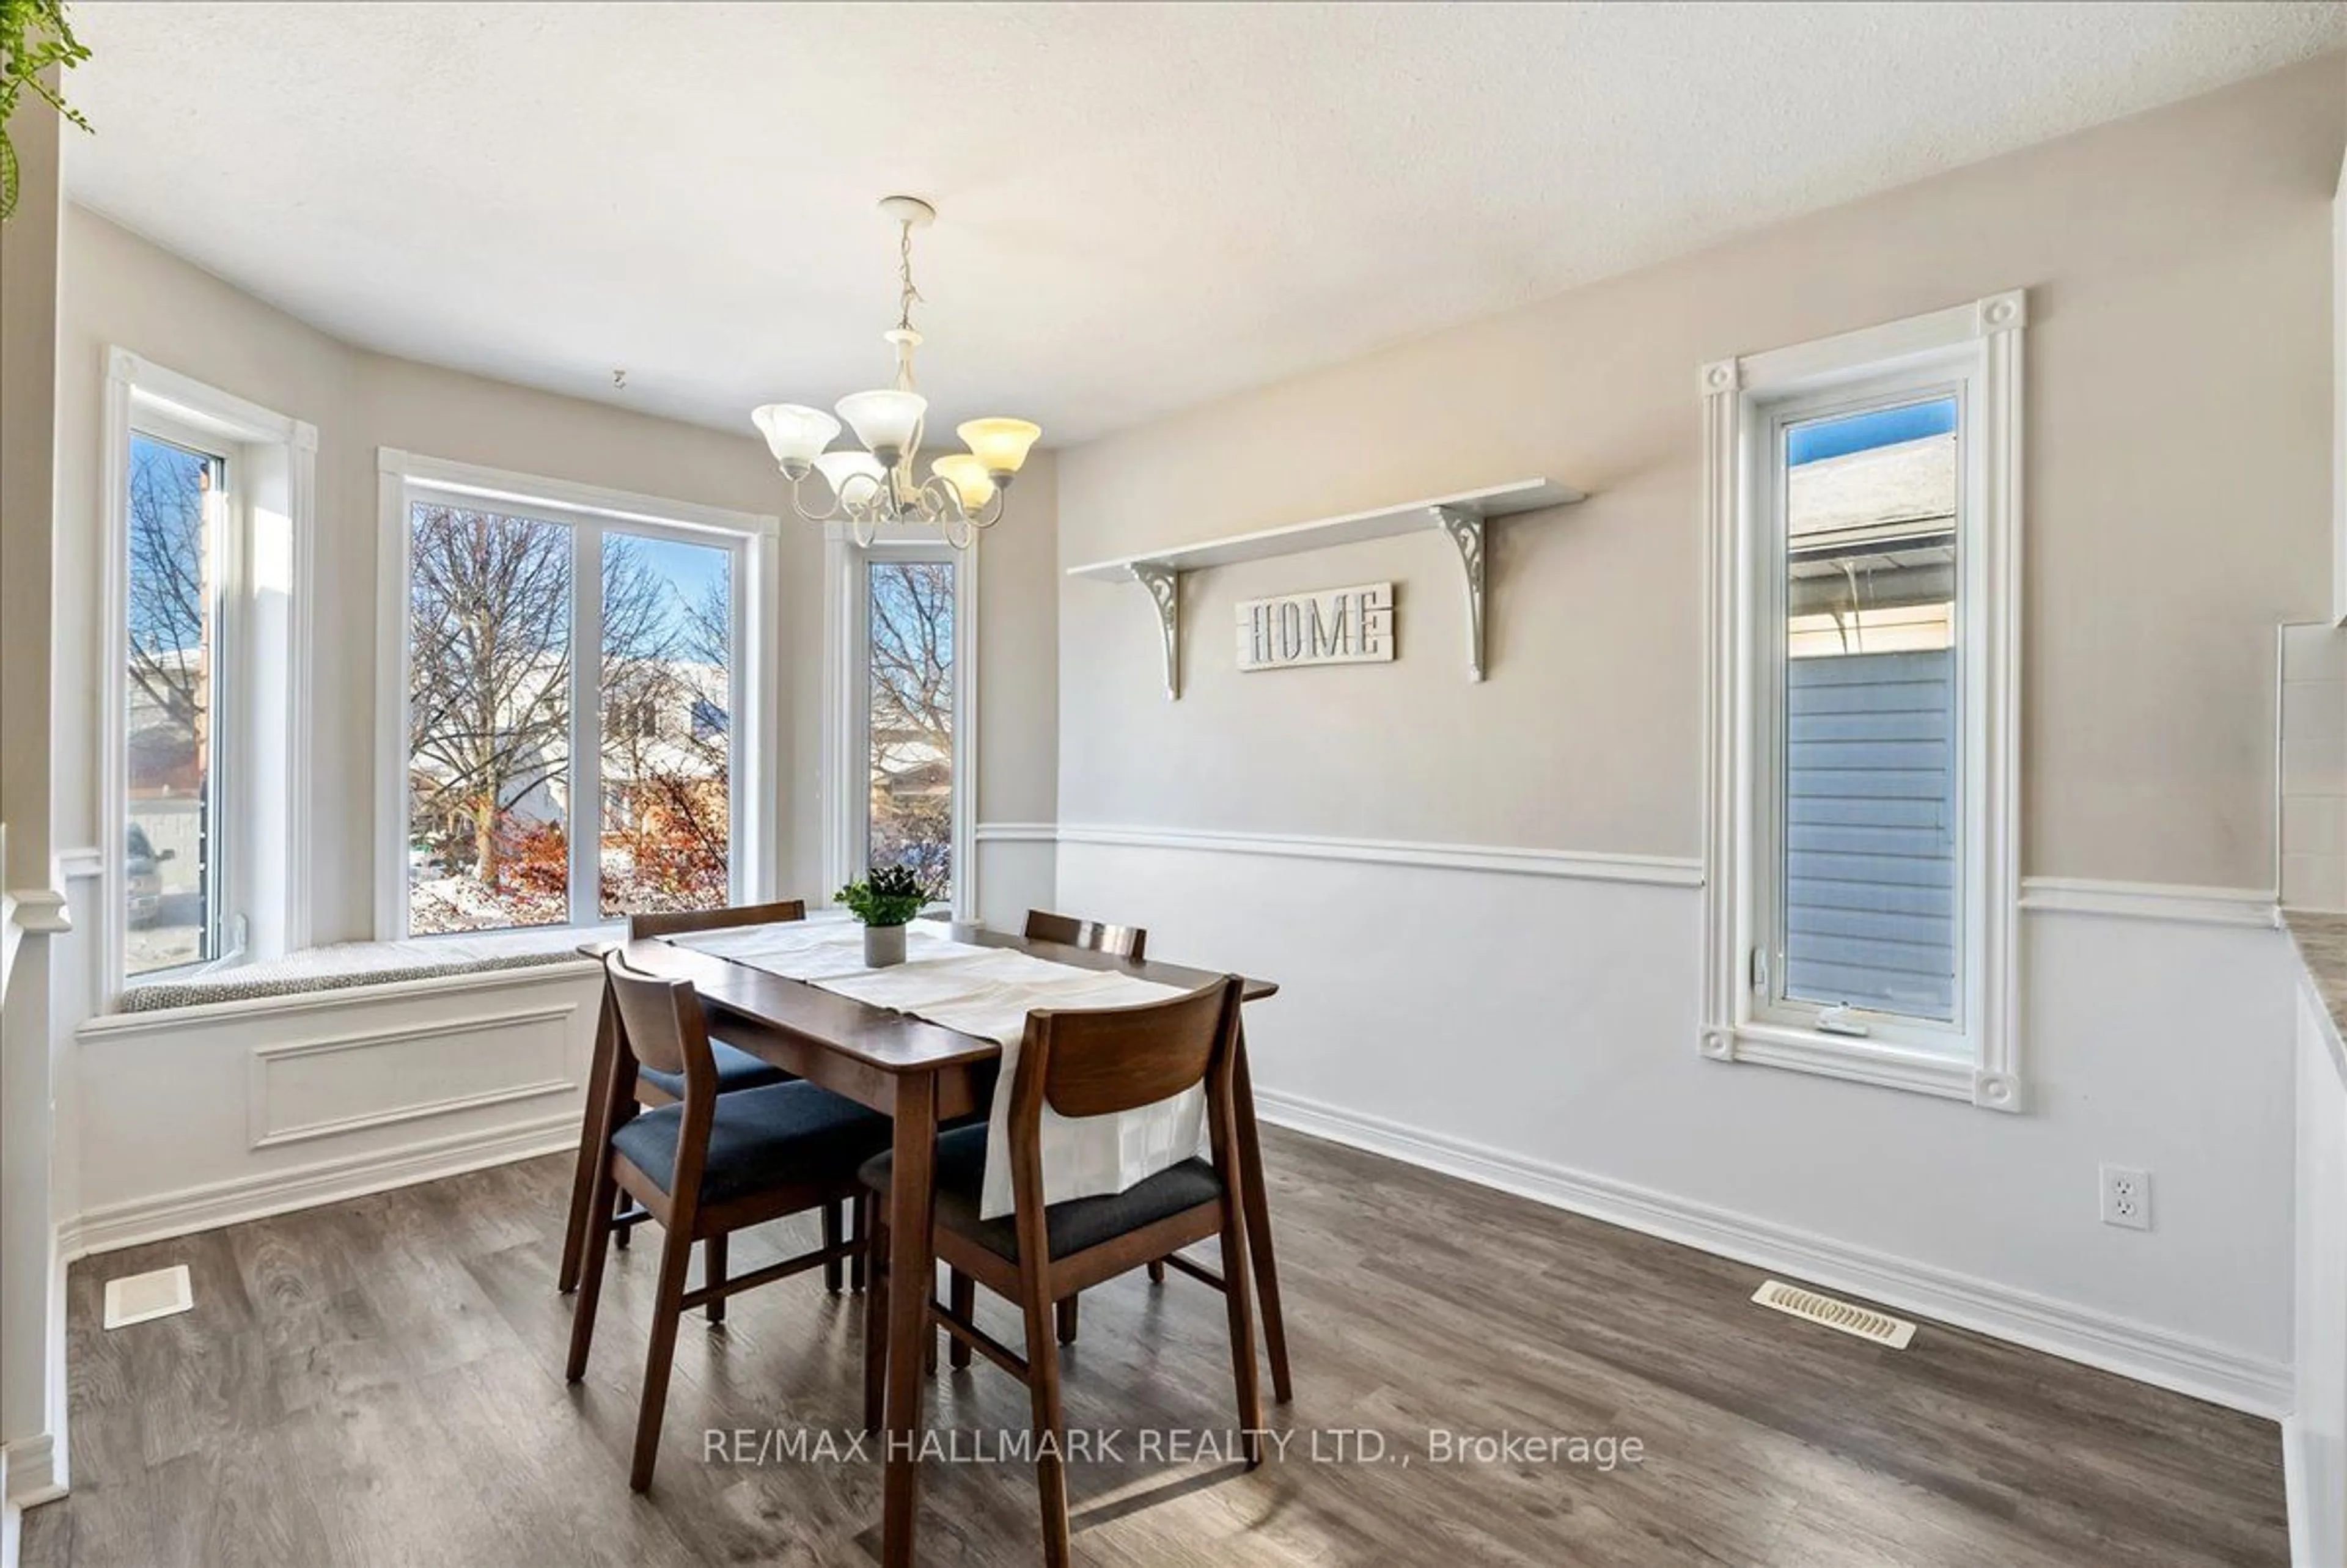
(1333, 626)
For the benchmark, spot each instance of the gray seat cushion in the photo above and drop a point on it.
(1076, 1226)
(736, 1069)
(777, 1135)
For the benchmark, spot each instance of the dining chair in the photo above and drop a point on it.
(1119, 941)
(1123, 941)
(1087, 1063)
(736, 1069)
(702, 1167)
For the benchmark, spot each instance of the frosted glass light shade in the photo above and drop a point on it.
(793, 432)
(1000, 443)
(968, 477)
(839, 468)
(884, 421)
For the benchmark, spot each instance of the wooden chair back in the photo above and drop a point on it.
(662, 1026)
(1119, 941)
(1097, 1062)
(671, 923)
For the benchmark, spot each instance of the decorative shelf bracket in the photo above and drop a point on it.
(1164, 586)
(1465, 532)
(1464, 518)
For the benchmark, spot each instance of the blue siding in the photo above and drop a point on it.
(1870, 834)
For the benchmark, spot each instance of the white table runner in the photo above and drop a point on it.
(988, 992)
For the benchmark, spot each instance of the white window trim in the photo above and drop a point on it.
(845, 755)
(1982, 343)
(264, 878)
(756, 676)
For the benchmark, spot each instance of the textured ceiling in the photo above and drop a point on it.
(1143, 206)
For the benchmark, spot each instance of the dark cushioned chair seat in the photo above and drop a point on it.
(736, 1069)
(760, 1138)
(1073, 1226)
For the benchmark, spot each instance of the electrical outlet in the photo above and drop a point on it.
(2126, 1197)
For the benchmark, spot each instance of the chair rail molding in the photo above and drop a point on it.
(49, 911)
(1462, 518)
(2252, 906)
(40, 911)
(1657, 870)
(1018, 832)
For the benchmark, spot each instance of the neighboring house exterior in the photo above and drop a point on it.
(1871, 774)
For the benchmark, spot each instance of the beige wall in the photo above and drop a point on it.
(32, 1191)
(1541, 1030)
(2176, 490)
(121, 290)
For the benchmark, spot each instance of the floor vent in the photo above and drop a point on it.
(1864, 1322)
(142, 1297)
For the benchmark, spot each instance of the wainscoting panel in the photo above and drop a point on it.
(1537, 1032)
(318, 1088)
(228, 1113)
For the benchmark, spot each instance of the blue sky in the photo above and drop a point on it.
(1861, 432)
(690, 569)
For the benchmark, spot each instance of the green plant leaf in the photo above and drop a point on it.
(34, 36)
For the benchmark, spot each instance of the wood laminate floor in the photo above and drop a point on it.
(380, 1382)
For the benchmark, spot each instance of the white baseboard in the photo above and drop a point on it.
(2096, 1338)
(2296, 1498)
(31, 1466)
(203, 1208)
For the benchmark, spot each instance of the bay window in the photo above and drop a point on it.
(579, 689)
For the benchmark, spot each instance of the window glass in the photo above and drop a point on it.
(177, 498)
(1870, 762)
(668, 742)
(489, 649)
(909, 726)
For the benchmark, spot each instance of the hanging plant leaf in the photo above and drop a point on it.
(34, 36)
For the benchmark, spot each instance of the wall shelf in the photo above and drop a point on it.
(1461, 518)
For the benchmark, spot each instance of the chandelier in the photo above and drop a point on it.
(880, 485)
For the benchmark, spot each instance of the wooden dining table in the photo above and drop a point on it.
(919, 1074)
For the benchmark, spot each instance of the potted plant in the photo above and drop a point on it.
(884, 901)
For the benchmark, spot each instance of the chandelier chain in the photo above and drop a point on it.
(911, 295)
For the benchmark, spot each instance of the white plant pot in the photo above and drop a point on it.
(883, 946)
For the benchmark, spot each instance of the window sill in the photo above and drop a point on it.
(1945, 1076)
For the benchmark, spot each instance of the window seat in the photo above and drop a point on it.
(339, 965)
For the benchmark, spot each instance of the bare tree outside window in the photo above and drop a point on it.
(910, 718)
(169, 608)
(488, 719)
(667, 635)
(494, 791)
